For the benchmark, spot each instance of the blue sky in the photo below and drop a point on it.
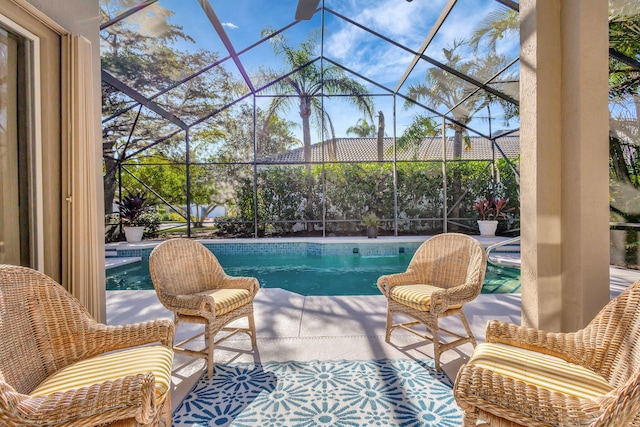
(407, 23)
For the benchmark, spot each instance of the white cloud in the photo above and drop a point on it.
(230, 25)
(364, 53)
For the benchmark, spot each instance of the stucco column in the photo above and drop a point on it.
(564, 165)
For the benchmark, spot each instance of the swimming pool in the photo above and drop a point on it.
(352, 274)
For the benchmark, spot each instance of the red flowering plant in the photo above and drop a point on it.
(492, 208)
(132, 207)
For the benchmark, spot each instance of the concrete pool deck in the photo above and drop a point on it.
(294, 327)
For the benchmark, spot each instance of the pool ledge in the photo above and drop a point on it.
(484, 241)
(112, 262)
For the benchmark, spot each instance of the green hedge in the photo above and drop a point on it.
(290, 198)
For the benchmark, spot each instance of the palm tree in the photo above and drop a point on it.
(362, 129)
(496, 26)
(624, 93)
(309, 81)
(420, 128)
(441, 88)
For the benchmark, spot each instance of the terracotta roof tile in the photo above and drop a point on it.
(365, 150)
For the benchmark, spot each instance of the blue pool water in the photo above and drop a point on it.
(311, 275)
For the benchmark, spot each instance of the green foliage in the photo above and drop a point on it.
(370, 220)
(624, 38)
(232, 227)
(303, 89)
(362, 129)
(112, 228)
(149, 220)
(351, 190)
(151, 223)
(492, 208)
(419, 194)
(420, 127)
(132, 206)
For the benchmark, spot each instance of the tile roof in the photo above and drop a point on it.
(365, 150)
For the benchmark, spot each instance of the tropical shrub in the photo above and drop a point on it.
(289, 197)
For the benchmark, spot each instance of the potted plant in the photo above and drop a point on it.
(372, 222)
(132, 206)
(490, 210)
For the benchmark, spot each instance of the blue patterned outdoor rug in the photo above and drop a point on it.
(322, 393)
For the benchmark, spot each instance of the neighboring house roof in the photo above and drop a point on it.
(365, 150)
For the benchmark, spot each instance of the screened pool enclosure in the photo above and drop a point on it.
(260, 122)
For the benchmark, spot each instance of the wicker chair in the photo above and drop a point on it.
(446, 272)
(190, 282)
(527, 377)
(54, 365)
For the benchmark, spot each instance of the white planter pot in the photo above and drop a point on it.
(487, 228)
(133, 234)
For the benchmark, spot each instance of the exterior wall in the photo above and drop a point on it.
(564, 167)
(79, 17)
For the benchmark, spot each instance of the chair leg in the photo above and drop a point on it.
(166, 410)
(436, 345)
(470, 418)
(387, 337)
(209, 337)
(252, 329)
(468, 328)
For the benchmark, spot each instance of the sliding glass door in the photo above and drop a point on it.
(17, 149)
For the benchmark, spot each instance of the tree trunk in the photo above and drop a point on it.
(456, 182)
(305, 113)
(457, 143)
(617, 160)
(380, 136)
(332, 150)
(109, 182)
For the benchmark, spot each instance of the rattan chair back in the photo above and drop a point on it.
(610, 344)
(183, 267)
(38, 320)
(448, 260)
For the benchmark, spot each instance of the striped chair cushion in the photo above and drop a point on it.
(229, 299)
(416, 296)
(541, 370)
(110, 366)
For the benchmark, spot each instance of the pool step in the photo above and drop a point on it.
(505, 254)
(111, 262)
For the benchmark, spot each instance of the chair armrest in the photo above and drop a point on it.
(109, 338)
(551, 343)
(385, 283)
(249, 283)
(442, 299)
(105, 402)
(622, 405)
(193, 304)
